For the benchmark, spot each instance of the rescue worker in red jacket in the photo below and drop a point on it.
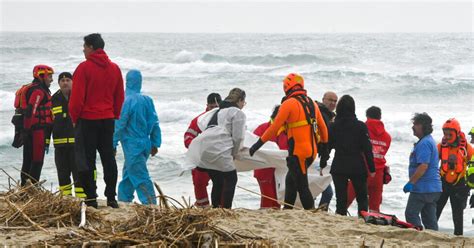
(455, 153)
(305, 128)
(266, 176)
(96, 102)
(380, 140)
(200, 178)
(37, 123)
(63, 139)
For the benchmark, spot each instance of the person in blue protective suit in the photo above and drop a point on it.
(139, 132)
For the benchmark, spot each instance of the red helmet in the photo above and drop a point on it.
(291, 81)
(452, 124)
(39, 70)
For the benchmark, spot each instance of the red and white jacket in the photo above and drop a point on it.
(193, 130)
(380, 140)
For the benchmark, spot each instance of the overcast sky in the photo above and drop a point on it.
(242, 16)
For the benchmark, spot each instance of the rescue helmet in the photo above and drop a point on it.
(39, 71)
(291, 81)
(452, 124)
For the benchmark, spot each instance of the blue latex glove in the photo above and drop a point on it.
(408, 187)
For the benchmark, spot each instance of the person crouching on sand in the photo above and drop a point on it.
(221, 143)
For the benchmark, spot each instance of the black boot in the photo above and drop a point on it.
(112, 203)
(92, 203)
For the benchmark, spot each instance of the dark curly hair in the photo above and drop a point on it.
(425, 120)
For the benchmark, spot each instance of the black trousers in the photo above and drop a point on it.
(458, 196)
(92, 136)
(297, 182)
(33, 155)
(223, 187)
(64, 158)
(360, 187)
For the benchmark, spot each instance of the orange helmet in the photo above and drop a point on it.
(39, 70)
(452, 124)
(291, 81)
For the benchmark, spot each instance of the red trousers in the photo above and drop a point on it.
(200, 181)
(374, 190)
(266, 181)
(33, 155)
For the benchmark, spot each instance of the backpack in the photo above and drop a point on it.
(385, 220)
(21, 108)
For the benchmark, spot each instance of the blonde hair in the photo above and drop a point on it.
(235, 95)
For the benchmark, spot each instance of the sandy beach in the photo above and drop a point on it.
(254, 228)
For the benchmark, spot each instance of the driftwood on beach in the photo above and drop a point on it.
(169, 224)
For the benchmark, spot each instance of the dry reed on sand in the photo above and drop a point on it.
(159, 227)
(35, 207)
(166, 225)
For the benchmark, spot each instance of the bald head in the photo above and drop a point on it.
(330, 100)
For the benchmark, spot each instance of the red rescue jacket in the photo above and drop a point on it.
(193, 131)
(38, 113)
(380, 140)
(97, 89)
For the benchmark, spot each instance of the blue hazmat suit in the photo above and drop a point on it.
(138, 130)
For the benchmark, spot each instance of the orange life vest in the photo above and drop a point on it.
(21, 101)
(43, 115)
(453, 160)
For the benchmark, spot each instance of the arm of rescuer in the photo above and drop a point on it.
(192, 132)
(118, 94)
(324, 137)
(34, 101)
(238, 132)
(470, 152)
(155, 135)
(272, 131)
(422, 159)
(121, 123)
(78, 93)
(367, 149)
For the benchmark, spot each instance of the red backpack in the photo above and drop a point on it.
(385, 220)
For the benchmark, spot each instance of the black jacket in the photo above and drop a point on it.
(350, 138)
(63, 131)
(327, 115)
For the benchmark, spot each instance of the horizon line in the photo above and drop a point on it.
(158, 32)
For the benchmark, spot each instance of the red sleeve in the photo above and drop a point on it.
(78, 92)
(282, 141)
(34, 101)
(119, 95)
(389, 140)
(260, 130)
(192, 132)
